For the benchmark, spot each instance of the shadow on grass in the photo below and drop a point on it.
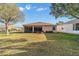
(34, 49)
(33, 52)
(13, 40)
(49, 48)
(57, 44)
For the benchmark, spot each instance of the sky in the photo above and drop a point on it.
(38, 12)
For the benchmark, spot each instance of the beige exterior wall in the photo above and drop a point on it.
(47, 28)
(65, 28)
(59, 28)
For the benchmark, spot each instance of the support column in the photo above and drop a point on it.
(42, 28)
(32, 28)
(74, 26)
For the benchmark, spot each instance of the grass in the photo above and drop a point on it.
(48, 44)
(24, 36)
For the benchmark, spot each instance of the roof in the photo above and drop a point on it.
(38, 24)
(73, 21)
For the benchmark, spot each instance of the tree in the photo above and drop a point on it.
(70, 10)
(60, 23)
(10, 14)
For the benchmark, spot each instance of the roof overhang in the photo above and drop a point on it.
(38, 24)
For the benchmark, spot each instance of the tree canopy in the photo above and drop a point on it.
(60, 23)
(10, 14)
(70, 10)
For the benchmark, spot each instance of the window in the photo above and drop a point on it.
(62, 28)
(54, 27)
(73, 26)
(77, 26)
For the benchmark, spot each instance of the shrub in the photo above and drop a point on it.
(49, 31)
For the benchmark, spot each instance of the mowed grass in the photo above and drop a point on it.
(25, 36)
(48, 44)
(18, 42)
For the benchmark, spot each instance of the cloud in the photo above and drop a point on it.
(41, 9)
(28, 7)
(21, 8)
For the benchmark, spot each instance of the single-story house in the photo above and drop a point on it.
(69, 27)
(38, 27)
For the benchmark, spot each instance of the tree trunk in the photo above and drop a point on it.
(7, 32)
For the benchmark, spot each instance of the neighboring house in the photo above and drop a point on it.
(11, 29)
(2, 29)
(17, 29)
(38, 27)
(69, 27)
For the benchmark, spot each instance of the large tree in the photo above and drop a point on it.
(70, 10)
(10, 14)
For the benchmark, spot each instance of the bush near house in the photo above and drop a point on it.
(49, 31)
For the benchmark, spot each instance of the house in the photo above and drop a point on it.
(69, 27)
(38, 27)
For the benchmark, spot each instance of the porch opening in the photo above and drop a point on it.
(28, 29)
(37, 29)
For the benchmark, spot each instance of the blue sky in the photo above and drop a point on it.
(38, 12)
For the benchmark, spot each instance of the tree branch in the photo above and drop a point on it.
(75, 16)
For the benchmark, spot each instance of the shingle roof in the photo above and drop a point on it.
(73, 21)
(38, 24)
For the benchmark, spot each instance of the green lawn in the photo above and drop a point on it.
(51, 44)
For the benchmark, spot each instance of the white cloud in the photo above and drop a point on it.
(21, 8)
(41, 9)
(28, 7)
